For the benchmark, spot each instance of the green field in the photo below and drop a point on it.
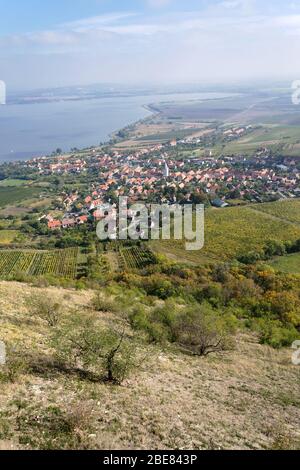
(287, 264)
(11, 195)
(7, 236)
(235, 231)
(38, 263)
(167, 136)
(288, 210)
(270, 136)
(10, 182)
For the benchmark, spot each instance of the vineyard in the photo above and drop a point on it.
(234, 231)
(288, 210)
(37, 263)
(136, 257)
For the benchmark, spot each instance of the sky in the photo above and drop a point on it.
(53, 43)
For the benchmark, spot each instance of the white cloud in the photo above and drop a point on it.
(223, 41)
(99, 21)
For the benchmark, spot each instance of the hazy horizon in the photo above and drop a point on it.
(160, 87)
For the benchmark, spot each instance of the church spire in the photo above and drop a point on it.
(167, 170)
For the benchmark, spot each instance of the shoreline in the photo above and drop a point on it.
(149, 107)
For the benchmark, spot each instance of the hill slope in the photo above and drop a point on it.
(235, 231)
(244, 399)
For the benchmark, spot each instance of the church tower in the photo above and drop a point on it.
(166, 170)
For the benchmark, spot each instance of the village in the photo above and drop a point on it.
(158, 174)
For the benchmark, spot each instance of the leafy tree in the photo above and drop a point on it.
(200, 333)
(275, 248)
(83, 343)
(159, 287)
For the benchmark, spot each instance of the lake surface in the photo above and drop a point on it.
(30, 130)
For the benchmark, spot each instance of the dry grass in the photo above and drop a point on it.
(244, 399)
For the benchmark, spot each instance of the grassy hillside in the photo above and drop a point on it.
(11, 194)
(287, 264)
(271, 136)
(247, 398)
(11, 182)
(7, 236)
(288, 211)
(234, 231)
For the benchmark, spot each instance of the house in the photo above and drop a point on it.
(82, 219)
(54, 224)
(95, 204)
(67, 223)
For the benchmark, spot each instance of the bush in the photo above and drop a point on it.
(213, 293)
(101, 304)
(45, 308)
(15, 365)
(163, 321)
(82, 343)
(160, 287)
(197, 330)
(200, 332)
(273, 333)
(158, 324)
(53, 428)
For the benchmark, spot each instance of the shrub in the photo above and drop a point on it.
(82, 343)
(160, 287)
(251, 257)
(274, 248)
(156, 332)
(158, 324)
(213, 293)
(16, 365)
(200, 332)
(53, 428)
(45, 308)
(241, 290)
(102, 304)
(197, 330)
(273, 333)
(163, 321)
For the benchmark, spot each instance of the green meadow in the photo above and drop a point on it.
(11, 195)
(287, 264)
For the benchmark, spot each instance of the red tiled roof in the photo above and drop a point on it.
(83, 218)
(53, 224)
